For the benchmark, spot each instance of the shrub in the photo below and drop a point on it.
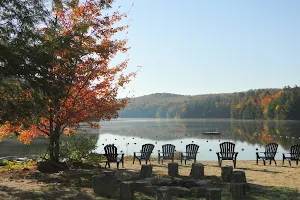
(78, 148)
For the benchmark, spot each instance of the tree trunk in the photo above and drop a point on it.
(54, 147)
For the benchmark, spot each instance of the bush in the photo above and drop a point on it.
(78, 148)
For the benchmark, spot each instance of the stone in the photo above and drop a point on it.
(167, 192)
(203, 183)
(213, 194)
(158, 181)
(146, 171)
(127, 175)
(197, 171)
(239, 177)
(127, 190)
(163, 193)
(226, 173)
(188, 183)
(106, 184)
(180, 191)
(50, 167)
(198, 192)
(237, 191)
(173, 169)
(150, 190)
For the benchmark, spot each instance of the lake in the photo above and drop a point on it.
(129, 135)
(249, 136)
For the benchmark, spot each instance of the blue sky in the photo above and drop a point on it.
(200, 47)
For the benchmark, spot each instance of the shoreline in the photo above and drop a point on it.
(28, 183)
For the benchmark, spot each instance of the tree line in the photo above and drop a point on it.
(279, 104)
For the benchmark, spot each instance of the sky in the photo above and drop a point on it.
(202, 47)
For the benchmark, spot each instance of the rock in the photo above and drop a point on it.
(106, 184)
(239, 177)
(204, 183)
(167, 192)
(188, 183)
(213, 194)
(197, 171)
(146, 171)
(127, 175)
(163, 193)
(50, 167)
(237, 190)
(127, 190)
(173, 169)
(226, 173)
(198, 192)
(158, 181)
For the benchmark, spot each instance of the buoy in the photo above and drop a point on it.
(103, 144)
(133, 138)
(134, 143)
(155, 142)
(256, 149)
(181, 141)
(192, 141)
(115, 139)
(127, 143)
(242, 149)
(209, 149)
(206, 140)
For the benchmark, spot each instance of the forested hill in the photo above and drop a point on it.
(253, 104)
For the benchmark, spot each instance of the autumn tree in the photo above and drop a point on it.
(67, 76)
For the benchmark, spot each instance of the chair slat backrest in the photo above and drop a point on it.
(271, 150)
(191, 150)
(227, 149)
(168, 150)
(146, 151)
(111, 152)
(295, 151)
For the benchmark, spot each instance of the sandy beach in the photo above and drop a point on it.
(31, 184)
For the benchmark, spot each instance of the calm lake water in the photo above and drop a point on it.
(130, 134)
(248, 135)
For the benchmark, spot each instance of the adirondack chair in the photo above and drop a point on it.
(190, 154)
(145, 153)
(111, 154)
(269, 154)
(168, 151)
(294, 154)
(227, 153)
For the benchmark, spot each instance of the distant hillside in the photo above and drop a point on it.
(253, 104)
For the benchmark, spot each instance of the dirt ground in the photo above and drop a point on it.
(31, 184)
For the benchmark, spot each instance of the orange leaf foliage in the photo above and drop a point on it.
(91, 92)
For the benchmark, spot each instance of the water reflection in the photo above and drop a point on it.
(130, 134)
(249, 136)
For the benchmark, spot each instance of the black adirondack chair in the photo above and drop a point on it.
(227, 153)
(190, 154)
(294, 154)
(144, 154)
(111, 154)
(168, 151)
(269, 154)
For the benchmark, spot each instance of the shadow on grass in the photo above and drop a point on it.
(259, 192)
(260, 170)
(50, 194)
